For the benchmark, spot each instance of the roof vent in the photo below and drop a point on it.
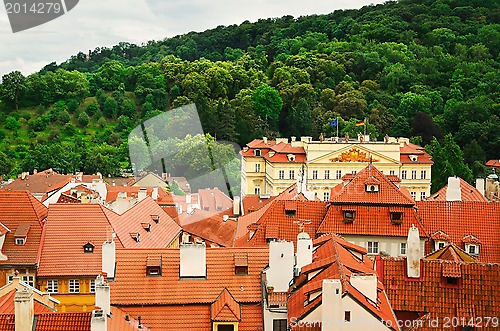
(146, 226)
(127, 317)
(88, 247)
(155, 218)
(225, 218)
(135, 236)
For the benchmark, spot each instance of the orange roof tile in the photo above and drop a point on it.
(468, 193)
(450, 252)
(411, 149)
(460, 218)
(340, 264)
(7, 305)
(251, 203)
(160, 234)
(64, 321)
(475, 295)
(133, 287)
(20, 210)
(68, 228)
(132, 192)
(225, 308)
(39, 183)
(209, 227)
(493, 163)
(214, 200)
(356, 192)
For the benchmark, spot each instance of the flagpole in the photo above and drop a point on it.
(337, 126)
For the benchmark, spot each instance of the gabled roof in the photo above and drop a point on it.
(133, 287)
(20, 210)
(355, 190)
(251, 203)
(132, 192)
(459, 218)
(468, 193)
(7, 304)
(225, 308)
(160, 235)
(209, 227)
(341, 262)
(475, 295)
(39, 183)
(67, 229)
(450, 252)
(214, 200)
(276, 223)
(493, 163)
(409, 149)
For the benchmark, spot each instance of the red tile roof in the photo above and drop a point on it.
(214, 200)
(7, 305)
(251, 203)
(39, 183)
(450, 252)
(225, 308)
(355, 191)
(64, 321)
(160, 235)
(133, 287)
(475, 296)
(411, 149)
(132, 192)
(459, 219)
(20, 211)
(68, 228)
(334, 259)
(493, 163)
(277, 223)
(211, 228)
(468, 192)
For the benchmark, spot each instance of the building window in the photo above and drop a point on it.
(402, 249)
(256, 152)
(414, 195)
(423, 174)
(403, 174)
(92, 286)
(327, 174)
(315, 174)
(279, 325)
(348, 216)
(472, 249)
(422, 196)
(241, 270)
(281, 174)
(396, 217)
(74, 286)
(354, 172)
(391, 172)
(52, 286)
(257, 190)
(88, 247)
(338, 174)
(347, 316)
(20, 241)
(225, 327)
(326, 196)
(414, 174)
(257, 167)
(291, 174)
(372, 247)
(10, 279)
(30, 280)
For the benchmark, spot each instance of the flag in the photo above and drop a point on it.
(334, 123)
(360, 123)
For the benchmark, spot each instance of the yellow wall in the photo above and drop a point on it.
(71, 302)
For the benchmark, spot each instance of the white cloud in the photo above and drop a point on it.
(98, 23)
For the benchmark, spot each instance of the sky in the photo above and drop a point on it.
(104, 23)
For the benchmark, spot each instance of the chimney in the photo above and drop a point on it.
(102, 295)
(480, 185)
(109, 258)
(413, 253)
(281, 265)
(264, 139)
(453, 192)
(193, 261)
(154, 195)
(293, 139)
(141, 195)
(331, 307)
(188, 198)
(304, 251)
(35, 171)
(236, 205)
(366, 284)
(99, 321)
(23, 309)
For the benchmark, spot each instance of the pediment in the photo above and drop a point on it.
(354, 154)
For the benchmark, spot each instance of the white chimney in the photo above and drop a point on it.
(331, 305)
(453, 192)
(154, 195)
(293, 139)
(366, 284)
(102, 295)
(304, 251)
(193, 260)
(99, 320)
(281, 265)
(236, 205)
(480, 185)
(109, 258)
(188, 198)
(413, 253)
(141, 195)
(23, 310)
(264, 139)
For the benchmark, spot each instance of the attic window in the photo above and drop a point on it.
(472, 249)
(451, 280)
(256, 152)
(396, 217)
(20, 241)
(153, 265)
(291, 157)
(348, 216)
(439, 244)
(413, 158)
(88, 247)
(290, 213)
(371, 188)
(155, 218)
(241, 264)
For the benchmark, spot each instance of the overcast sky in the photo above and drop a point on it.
(98, 23)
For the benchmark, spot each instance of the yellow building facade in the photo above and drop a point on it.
(76, 294)
(270, 166)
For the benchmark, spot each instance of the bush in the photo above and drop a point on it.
(12, 123)
(83, 119)
(70, 129)
(92, 109)
(73, 105)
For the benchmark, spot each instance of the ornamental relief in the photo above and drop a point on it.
(353, 155)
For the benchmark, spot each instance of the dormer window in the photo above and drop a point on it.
(348, 216)
(146, 226)
(291, 157)
(372, 188)
(88, 247)
(22, 233)
(439, 244)
(20, 241)
(472, 249)
(413, 158)
(256, 152)
(241, 264)
(153, 265)
(396, 217)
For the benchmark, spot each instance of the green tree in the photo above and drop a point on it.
(13, 84)
(12, 123)
(110, 108)
(83, 119)
(267, 104)
(6, 164)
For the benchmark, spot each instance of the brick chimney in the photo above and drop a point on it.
(24, 310)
